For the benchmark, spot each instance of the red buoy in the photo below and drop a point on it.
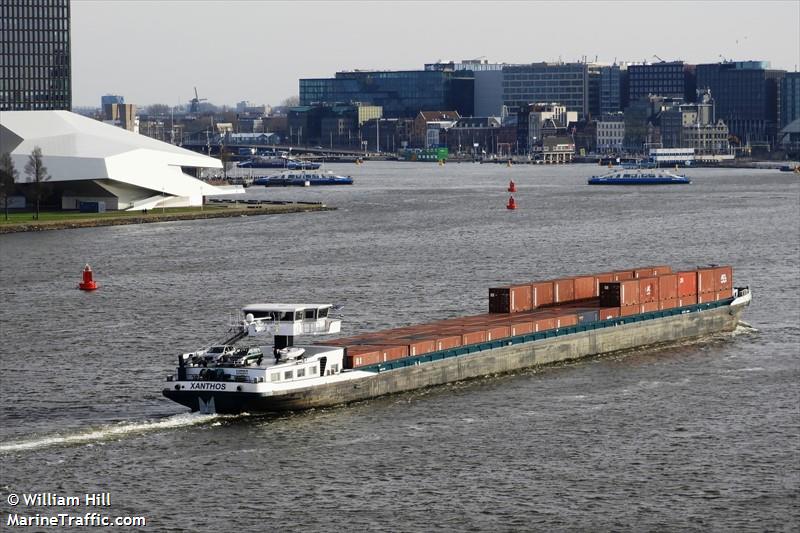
(88, 284)
(511, 203)
(512, 187)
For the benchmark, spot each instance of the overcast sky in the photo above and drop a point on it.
(158, 51)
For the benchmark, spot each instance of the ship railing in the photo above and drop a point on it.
(547, 334)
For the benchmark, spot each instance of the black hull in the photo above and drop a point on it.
(232, 402)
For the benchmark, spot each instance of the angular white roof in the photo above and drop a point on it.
(77, 148)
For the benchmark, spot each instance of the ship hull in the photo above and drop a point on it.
(500, 360)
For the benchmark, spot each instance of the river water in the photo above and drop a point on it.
(700, 436)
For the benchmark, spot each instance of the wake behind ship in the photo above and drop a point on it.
(528, 325)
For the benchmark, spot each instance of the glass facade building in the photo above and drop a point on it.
(35, 61)
(790, 99)
(400, 93)
(671, 79)
(559, 83)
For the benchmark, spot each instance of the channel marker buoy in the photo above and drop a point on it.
(512, 187)
(511, 203)
(88, 284)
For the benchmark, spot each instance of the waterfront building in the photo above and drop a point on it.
(89, 161)
(789, 101)
(565, 83)
(641, 131)
(611, 132)
(673, 79)
(336, 125)
(555, 149)
(610, 87)
(386, 134)
(488, 85)
(474, 135)
(746, 96)
(427, 128)
(35, 61)
(537, 121)
(398, 93)
(694, 126)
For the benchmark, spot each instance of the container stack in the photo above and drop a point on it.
(546, 305)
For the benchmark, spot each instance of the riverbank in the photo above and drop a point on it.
(60, 220)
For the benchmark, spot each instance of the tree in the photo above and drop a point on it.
(37, 174)
(292, 101)
(8, 177)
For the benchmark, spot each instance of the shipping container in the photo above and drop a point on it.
(667, 304)
(605, 277)
(609, 294)
(619, 293)
(667, 287)
(447, 342)
(355, 360)
(522, 328)
(473, 337)
(687, 283)
(648, 290)
(541, 293)
(510, 299)
(497, 332)
(725, 294)
(706, 297)
(706, 280)
(543, 324)
(629, 310)
(421, 347)
(584, 317)
(652, 271)
(563, 290)
(607, 313)
(565, 321)
(622, 275)
(683, 301)
(724, 278)
(648, 307)
(584, 287)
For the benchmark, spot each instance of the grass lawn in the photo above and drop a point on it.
(26, 217)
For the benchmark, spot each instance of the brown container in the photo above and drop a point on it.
(648, 290)
(522, 328)
(585, 287)
(541, 293)
(421, 347)
(498, 332)
(629, 292)
(668, 287)
(683, 301)
(563, 290)
(447, 342)
(706, 280)
(628, 310)
(724, 278)
(355, 360)
(510, 299)
(725, 294)
(652, 271)
(564, 321)
(622, 275)
(544, 323)
(649, 307)
(602, 278)
(687, 283)
(473, 337)
(706, 297)
(667, 304)
(607, 313)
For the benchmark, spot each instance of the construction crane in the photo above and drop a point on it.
(658, 58)
(194, 103)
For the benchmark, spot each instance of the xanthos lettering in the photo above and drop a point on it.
(207, 386)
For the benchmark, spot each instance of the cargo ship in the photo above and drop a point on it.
(528, 325)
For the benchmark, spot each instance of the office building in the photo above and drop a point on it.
(610, 88)
(673, 79)
(35, 69)
(789, 101)
(611, 132)
(565, 83)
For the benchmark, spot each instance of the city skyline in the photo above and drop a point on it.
(242, 51)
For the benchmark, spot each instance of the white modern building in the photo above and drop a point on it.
(89, 161)
(610, 133)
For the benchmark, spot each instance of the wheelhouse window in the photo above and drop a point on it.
(312, 370)
(275, 376)
(322, 313)
(301, 372)
(289, 374)
(310, 314)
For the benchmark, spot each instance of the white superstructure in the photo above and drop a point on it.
(93, 161)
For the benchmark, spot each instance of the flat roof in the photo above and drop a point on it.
(282, 307)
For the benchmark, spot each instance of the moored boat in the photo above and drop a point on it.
(302, 179)
(528, 325)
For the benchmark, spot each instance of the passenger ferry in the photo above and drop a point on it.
(640, 176)
(303, 179)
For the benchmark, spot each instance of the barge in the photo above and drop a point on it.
(528, 325)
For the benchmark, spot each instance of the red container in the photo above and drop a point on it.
(564, 321)
(421, 347)
(683, 301)
(724, 278)
(629, 292)
(668, 287)
(687, 283)
(607, 313)
(563, 290)
(473, 337)
(498, 332)
(541, 293)
(510, 299)
(544, 323)
(355, 360)
(725, 294)
(652, 271)
(706, 280)
(706, 297)
(667, 304)
(446, 342)
(585, 287)
(522, 328)
(648, 290)
(628, 310)
(649, 307)
(606, 277)
(622, 275)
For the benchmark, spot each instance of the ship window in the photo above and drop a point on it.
(322, 313)
(334, 368)
(301, 372)
(275, 376)
(312, 370)
(288, 374)
(310, 314)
